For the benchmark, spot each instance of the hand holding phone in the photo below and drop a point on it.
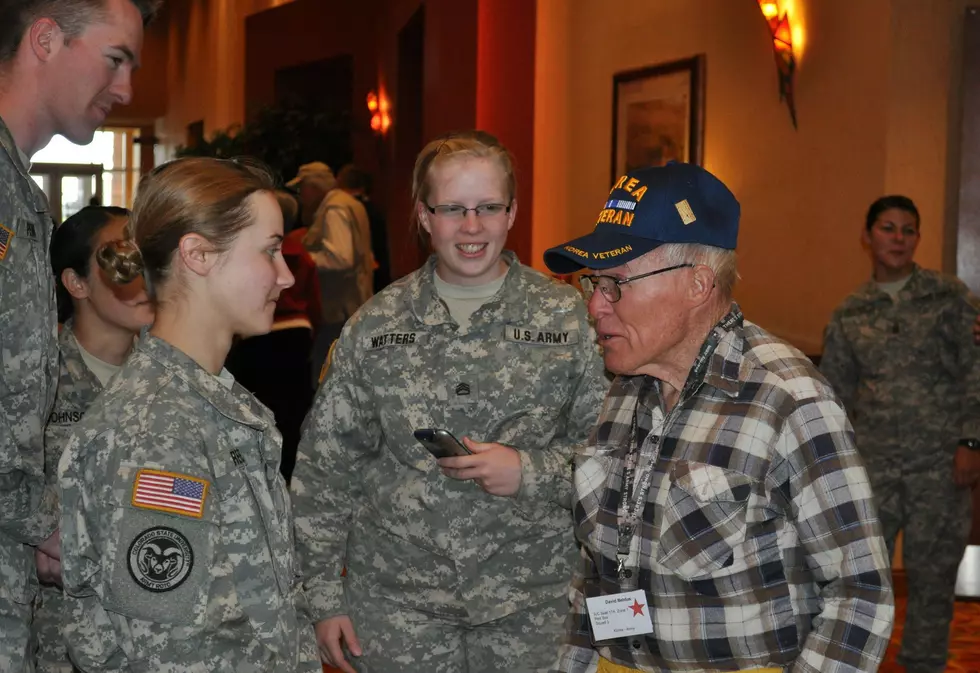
(440, 443)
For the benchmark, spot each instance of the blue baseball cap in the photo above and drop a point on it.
(648, 207)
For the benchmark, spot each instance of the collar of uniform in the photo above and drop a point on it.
(238, 406)
(431, 311)
(870, 292)
(14, 152)
(72, 356)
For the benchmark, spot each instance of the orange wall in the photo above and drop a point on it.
(150, 81)
(505, 98)
(315, 34)
(205, 75)
(873, 98)
(478, 72)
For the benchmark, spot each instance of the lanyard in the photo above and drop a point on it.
(632, 502)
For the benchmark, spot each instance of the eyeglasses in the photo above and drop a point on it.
(455, 212)
(609, 285)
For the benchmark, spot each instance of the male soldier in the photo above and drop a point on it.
(63, 65)
(898, 352)
(725, 516)
(339, 240)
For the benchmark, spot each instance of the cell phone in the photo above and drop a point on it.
(441, 443)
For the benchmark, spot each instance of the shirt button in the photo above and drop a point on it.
(627, 573)
(635, 644)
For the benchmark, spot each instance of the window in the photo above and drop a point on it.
(72, 175)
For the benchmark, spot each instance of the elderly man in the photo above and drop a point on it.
(339, 240)
(725, 517)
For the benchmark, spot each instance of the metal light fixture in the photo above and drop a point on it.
(781, 32)
(379, 108)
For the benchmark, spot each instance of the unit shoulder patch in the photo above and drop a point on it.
(160, 559)
(6, 236)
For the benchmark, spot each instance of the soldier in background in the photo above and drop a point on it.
(63, 65)
(899, 353)
(101, 321)
(460, 565)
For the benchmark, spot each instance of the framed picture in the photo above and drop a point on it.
(658, 115)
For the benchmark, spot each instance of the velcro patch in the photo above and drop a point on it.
(537, 337)
(160, 559)
(170, 492)
(326, 363)
(6, 236)
(389, 339)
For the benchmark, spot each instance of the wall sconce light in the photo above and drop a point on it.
(782, 46)
(379, 108)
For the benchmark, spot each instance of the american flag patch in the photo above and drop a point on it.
(170, 492)
(5, 237)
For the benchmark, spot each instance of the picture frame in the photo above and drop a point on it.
(658, 115)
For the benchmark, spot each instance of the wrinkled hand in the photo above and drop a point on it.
(48, 569)
(966, 467)
(331, 635)
(494, 467)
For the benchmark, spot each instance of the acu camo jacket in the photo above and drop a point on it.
(907, 371)
(28, 372)
(77, 389)
(527, 374)
(177, 535)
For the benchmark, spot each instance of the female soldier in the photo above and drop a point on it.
(461, 565)
(176, 525)
(101, 321)
(898, 352)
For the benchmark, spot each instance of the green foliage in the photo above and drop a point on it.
(284, 138)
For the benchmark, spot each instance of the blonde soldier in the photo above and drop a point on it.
(101, 321)
(64, 64)
(176, 525)
(460, 565)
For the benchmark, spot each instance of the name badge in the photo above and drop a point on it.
(619, 615)
(26, 229)
(389, 339)
(69, 417)
(539, 337)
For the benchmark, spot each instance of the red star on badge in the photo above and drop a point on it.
(637, 607)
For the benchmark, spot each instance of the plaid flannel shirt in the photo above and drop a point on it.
(758, 543)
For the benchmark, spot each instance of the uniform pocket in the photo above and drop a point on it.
(704, 518)
(158, 560)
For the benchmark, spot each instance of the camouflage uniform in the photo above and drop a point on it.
(442, 576)
(909, 377)
(28, 372)
(176, 529)
(77, 389)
